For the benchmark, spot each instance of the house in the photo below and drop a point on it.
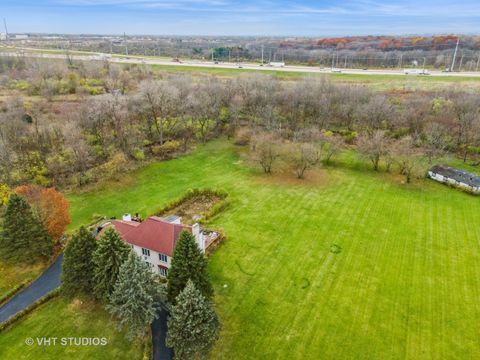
(155, 238)
(456, 177)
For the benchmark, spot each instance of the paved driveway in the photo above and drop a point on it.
(159, 334)
(44, 284)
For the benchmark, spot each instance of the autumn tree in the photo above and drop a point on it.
(51, 206)
(4, 194)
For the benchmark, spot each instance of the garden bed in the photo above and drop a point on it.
(196, 206)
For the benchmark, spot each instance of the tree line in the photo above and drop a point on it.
(141, 115)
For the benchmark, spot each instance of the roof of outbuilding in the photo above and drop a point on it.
(457, 174)
(154, 233)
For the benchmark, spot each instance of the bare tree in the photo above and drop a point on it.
(407, 157)
(374, 146)
(302, 156)
(265, 150)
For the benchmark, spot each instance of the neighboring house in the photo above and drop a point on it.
(155, 238)
(456, 177)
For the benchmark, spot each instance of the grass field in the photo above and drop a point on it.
(61, 318)
(12, 275)
(347, 264)
(376, 82)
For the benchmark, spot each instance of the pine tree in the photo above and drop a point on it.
(193, 325)
(134, 299)
(78, 267)
(188, 262)
(110, 254)
(24, 237)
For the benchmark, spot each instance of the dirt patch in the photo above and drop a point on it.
(318, 177)
(196, 206)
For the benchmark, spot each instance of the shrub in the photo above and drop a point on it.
(242, 137)
(167, 149)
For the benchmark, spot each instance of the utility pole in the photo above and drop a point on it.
(6, 30)
(126, 45)
(345, 66)
(424, 60)
(455, 54)
(401, 60)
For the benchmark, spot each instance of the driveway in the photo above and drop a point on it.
(159, 334)
(50, 280)
(44, 284)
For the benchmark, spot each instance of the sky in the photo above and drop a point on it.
(247, 17)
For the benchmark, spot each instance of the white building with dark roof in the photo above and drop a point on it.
(456, 177)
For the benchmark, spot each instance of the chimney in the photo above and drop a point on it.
(198, 236)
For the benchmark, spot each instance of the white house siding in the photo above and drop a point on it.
(443, 179)
(153, 259)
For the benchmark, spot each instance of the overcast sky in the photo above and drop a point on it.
(247, 17)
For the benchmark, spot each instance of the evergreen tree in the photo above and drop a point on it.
(110, 254)
(78, 266)
(24, 237)
(133, 300)
(188, 262)
(193, 325)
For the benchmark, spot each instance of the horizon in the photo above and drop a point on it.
(233, 18)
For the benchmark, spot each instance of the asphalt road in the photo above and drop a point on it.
(46, 283)
(50, 280)
(245, 66)
(159, 334)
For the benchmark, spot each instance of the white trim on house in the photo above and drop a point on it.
(153, 259)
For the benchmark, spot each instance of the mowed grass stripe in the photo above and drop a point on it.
(403, 286)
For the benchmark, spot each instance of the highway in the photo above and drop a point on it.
(226, 65)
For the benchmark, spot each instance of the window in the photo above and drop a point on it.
(162, 271)
(145, 252)
(148, 264)
(163, 257)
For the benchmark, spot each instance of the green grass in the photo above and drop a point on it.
(13, 275)
(347, 264)
(60, 318)
(376, 82)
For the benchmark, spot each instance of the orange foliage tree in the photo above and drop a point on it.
(51, 205)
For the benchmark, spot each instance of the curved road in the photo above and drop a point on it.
(44, 284)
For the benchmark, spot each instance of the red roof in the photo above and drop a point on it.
(154, 233)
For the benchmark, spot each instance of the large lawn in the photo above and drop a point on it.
(347, 265)
(60, 318)
(13, 274)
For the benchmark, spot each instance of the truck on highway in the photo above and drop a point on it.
(415, 72)
(276, 64)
